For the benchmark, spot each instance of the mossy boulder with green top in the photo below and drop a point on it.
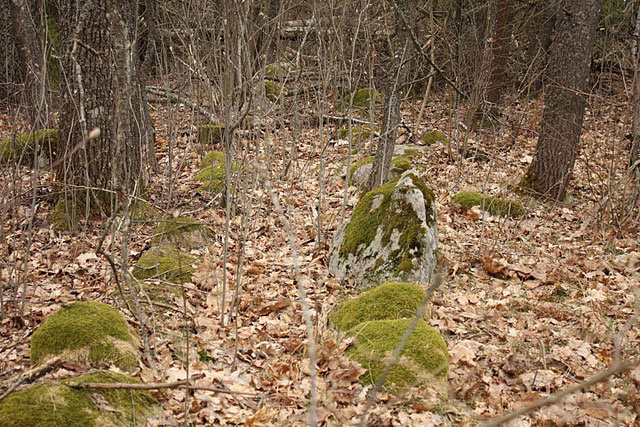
(59, 403)
(389, 301)
(165, 263)
(86, 332)
(359, 171)
(358, 133)
(212, 172)
(44, 142)
(424, 359)
(362, 99)
(392, 235)
(434, 136)
(493, 205)
(182, 232)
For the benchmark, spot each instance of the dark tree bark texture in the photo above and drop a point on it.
(500, 50)
(565, 99)
(102, 89)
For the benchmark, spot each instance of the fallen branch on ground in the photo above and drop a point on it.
(30, 375)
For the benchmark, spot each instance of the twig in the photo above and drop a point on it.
(158, 91)
(31, 375)
(159, 386)
(557, 397)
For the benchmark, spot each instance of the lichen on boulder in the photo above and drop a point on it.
(182, 232)
(358, 133)
(424, 359)
(392, 235)
(22, 147)
(58, 403)
(389, 301)
(86, 332)
(359, 171)
(493, 205)
(165, 263)
(434, 136)
(210, 134)
(273, 90)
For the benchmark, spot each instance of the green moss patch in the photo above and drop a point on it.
(392, 215)
(493, 205)
(273, 90)
(362, 98)
(358, 133)
(212, 172)
(165, 263)
(398, 165)
(434, 136)
(424, 359)
(278, 70)
(392, 300)
(86, 332)
(56, 404)
(183, 232)
(210, 134)
(22, 147)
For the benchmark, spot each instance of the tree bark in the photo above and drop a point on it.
(102, 90)
(634, 158)
(9, 67)
(29, 40)
(394, 91)
(565, 100)
(500, 54)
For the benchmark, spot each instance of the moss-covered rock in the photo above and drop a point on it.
(22, 147)
(360, 170)
(358, 133)
(182, 232)
(165, 263)
(143, 212)
(278, 70)
(72, 206)
(362, 98)
(434, 136)
(57, 403)
(273, 90)
(493, 205)
(392, 300)
(86, 332)
(392, 235)
(212, 172)
(424, 360)
(210, 134)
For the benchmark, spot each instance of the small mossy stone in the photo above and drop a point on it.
(212, 173)
(273, 90)
(424, 359)
(493, 205)
(398, 165)
(183, 232)
(86, 332)
(22, 147)
(362, 99)
(143, 212)
(210, 134)
(358, 133)
(434, 136)
(389, 301)
(57, 403)
(165, 263)
(278, 70)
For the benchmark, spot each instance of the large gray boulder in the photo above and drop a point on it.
(392, 235)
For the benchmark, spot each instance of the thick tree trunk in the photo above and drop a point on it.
(394, 91)
(500, 54)
(10, 75)
(565, 100)
(102, 90)
(29, 40)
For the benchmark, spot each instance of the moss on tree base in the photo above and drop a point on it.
(493, 205)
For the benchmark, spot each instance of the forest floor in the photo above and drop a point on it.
(528, 306)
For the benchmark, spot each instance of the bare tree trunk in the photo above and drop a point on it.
(27, 29)
(565, 100)
(634, 158)
(500, 50)
(394, 92)
(102, 91)
(10, 75)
